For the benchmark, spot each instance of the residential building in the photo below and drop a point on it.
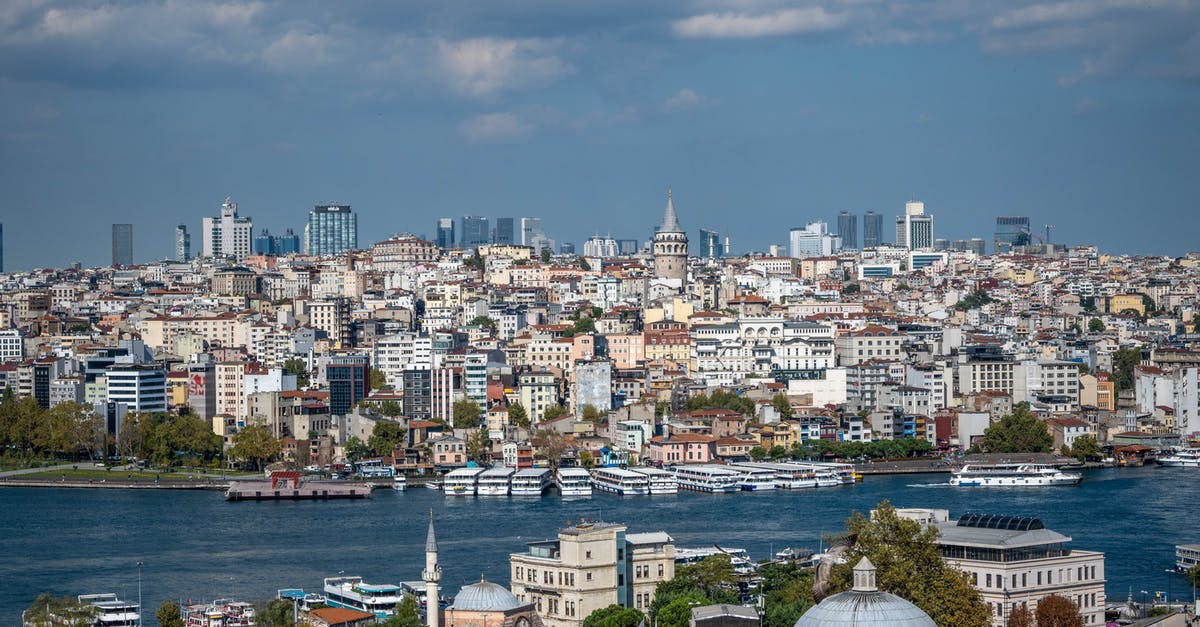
(228, 234)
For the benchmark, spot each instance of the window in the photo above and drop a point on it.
(587, 555)
(660, 570)
(589, 576)
(989, 581)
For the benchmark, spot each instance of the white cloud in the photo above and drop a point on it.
(1076, 10)
(297, 48)
(494, 127)
(782, 22)
(486, 65)
(76, 21)
(684, 99)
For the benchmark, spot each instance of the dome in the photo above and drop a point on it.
(864, 606)
(485, 596)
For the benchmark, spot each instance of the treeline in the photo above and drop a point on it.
(820, 449)
(71, 430)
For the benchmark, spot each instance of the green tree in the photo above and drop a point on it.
(1018, 432)
(1096, 325)
(545, 255)
(465, 414)
(256, 445)
(485, 322)
(479, 447)
(851, 288)
(909, 564)
(782, 405)
(518, 416)
(978, 298)
(757, 453)
(1058, 611)
(386, 436)
(356, 449)
(678, 611)
(1124, 361)
(299, 368)
(590, 413)
(390, 408)
(48, 610)
(1085, 447)
(777, 452)
(614, 616)
(378, 380)
(278, 613)
(586, 460)
(169, 614)
(74, 428)
(787, 593)
(553, 411)
(408, 614)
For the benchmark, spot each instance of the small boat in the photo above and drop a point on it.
(399, 483)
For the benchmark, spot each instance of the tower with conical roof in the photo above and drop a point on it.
(670, 246)
(431, 575)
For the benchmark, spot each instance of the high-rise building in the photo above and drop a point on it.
(122, 245)
(502, 233)
(1011, 231)
(914, 229)
(349, 379)
(227, 235)
(140, 388)
(475, 232)
(566, 248)
(627, 246)
(183, 243)
(533, 236)
(872, 229)
(710, 243)
(814, 240)
(670, 246)
(332, 229)
(264, 244)
(287, 244)
(600, 246)
(445, 233)
(1, 247)
(848, 230)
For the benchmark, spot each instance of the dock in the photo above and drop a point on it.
(286, 486)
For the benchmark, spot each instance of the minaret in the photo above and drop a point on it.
(670, 246)
(432, 575)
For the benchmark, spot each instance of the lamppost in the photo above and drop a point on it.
(141, 610)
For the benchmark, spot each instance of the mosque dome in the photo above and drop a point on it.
(485, 596)
(865, 606)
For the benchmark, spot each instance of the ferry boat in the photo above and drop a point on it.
(661, 481)
(530, 482)
(708, 478)
(461, 481)
(843, 473)
(399, 483)
(222, 612)
(1006, 475)
(755, 478)
(621, 481)
(112, 611)
(494, 481)
(789, 476)
(573, 482)
(1185, 458)
(738, 558)
(352, 593)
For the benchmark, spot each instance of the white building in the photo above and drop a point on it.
(814, 240)
(914, 229)
(12, 347)
(139, 388)
(227, 235)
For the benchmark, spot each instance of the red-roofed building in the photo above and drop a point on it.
(339, 617)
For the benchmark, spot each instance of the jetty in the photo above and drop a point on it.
(287, 486)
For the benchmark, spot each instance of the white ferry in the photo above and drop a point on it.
(351, 592)
(661, 481)
(789, 476)
(399, 483)
(494, 481)
(461, 481)
(111, 611)
(573, 482)
(843, 473)
(1012, 475)
(755, 478)
(738, 558)
(1186, 458)
(621, 481)
(708, 478)
(530, 481)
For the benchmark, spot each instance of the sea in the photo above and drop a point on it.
(195, 546)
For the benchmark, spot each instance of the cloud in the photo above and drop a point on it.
(782, 22)
(684, 99)
(486, 65)
(1076, 10)
(494, 127)
(299, 49)
(1085, 105)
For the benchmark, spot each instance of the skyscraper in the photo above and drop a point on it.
(872, 229)
(914, 229)
(475, 232)
(848, 230)
(183, 243)
(533, 236)
(227, 235)
(710, 243)
(502, 233)
(1, 247)
(814, 240)
(1011, 231)
(349, 382)
(332, 228)
(122, 245)
(445, 233)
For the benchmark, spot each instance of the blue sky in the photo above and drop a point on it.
(761, 114)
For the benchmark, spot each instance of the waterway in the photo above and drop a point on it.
(194, 545)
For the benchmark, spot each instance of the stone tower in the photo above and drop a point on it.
(670, 246)
(432, 575)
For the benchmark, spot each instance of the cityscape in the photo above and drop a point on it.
(685, 314)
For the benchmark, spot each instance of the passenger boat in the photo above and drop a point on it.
(111, 611)
(621, 481)
(661, 481)
(461, 481)
(754, 477)
(708, 478)
(530, 482)
(399, 483)
(1185, 458)
(573, 482)
(738, 558)
(789, 476)
(1009, 475)
(494, 481)
(352, 593)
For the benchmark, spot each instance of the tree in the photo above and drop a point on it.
(978, 298)
(782, 405)
(553, 445)
(1018, 432)
(479, 447)
(787, 592)
(614, 616)
(1096, 325)
(909, 564)
(48, 610)
(390, 408)
(851, 288)
(169, 614)
(278, 613)
(545, 256)
(408, 614)
(1193, 576)
(678, 611)
(1085, 447)
(356, 449)
(72, 428)
(465, 414)
(518, 416)
(553, 411)
(1058, 611)
(590, 413)
(777, 452)
(299, 368)
(1020, 617)
(485, 322)
(256, 445)
(586, 460)
(378, 380)
(1123, 363)
(757, 453)
(386, 437)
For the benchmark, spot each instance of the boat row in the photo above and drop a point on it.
(638, 481)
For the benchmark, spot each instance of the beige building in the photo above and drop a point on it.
(591, 566)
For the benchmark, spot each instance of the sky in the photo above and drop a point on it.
(762, 115)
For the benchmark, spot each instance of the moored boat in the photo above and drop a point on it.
(573, 482)
(1012, 475)
(661, 481)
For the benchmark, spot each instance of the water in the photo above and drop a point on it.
(195, 545)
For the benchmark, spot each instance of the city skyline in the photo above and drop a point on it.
(1077, 115)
